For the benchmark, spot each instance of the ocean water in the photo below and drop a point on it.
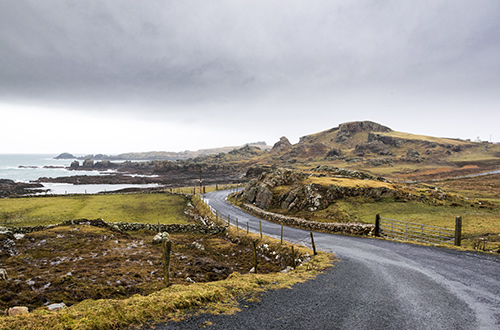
(29, 167)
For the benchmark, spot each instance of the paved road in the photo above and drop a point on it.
(376, 284)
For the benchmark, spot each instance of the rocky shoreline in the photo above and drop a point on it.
(11, 188)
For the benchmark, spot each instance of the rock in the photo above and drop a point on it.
(74, 165)
(307, 150)
(333, 153)
(376, 147)
(386, 139)
(412, 155)
(252, 271)
(287, 270)
(264, 197)
(18, 236)
(198, 246)
(65, 155)
(161, 237)
(380, 161)
(346, 130)
(56, 307)
(282, 145)
(10, 188)
(18, 310)
(3, 274)
(190, 280)
(88, 163)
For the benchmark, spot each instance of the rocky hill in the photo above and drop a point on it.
(379, 149)
(314, 194)
(361, 145)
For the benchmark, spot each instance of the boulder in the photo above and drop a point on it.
(282, 145)
(3, 275)
(412, 155)
(74, 165)
(376, 147)
(161, 237)
(264, 197)
(18, 310)
(388, 140)
(56, 306)
(333, 153)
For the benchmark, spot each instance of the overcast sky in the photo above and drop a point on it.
(111, 76)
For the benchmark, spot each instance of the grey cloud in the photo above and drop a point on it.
(196, 51)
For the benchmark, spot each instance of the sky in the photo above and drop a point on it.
(113, 76)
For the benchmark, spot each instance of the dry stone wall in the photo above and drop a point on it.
(124, 226)
(344, 228)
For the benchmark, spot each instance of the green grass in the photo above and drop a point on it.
(476, 221)
(143, 208)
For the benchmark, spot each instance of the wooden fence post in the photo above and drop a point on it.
(236, 223)
(260, 228)
(248, 228)
(255, 255)
(167, 247)
(281, 242)
(458, 231)
(377, 226)
(314, 245)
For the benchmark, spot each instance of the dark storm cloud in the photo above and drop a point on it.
(188, 52)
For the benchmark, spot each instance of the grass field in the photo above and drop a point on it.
(476, 221)
(143, 208)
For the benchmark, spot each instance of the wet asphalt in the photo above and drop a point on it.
(376, 284)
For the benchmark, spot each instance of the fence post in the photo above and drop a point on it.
(167, 247)
(313, 245)
(281, 242)
(458, 231)
(236, 223)
(248, 229)
(255, 255)
(377, 226)
(260, 228)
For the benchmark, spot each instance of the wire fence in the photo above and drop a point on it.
(411, 231)
(306, 241)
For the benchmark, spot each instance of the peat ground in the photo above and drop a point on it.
(73, 263)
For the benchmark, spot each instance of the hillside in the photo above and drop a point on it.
(382, 151)
(322, 193)
(362, 145)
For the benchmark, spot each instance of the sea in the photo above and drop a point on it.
(30, 167)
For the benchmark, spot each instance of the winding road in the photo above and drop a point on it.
(376, 284)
